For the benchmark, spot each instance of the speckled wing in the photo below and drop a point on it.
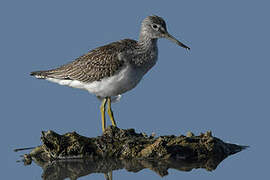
(95, 65)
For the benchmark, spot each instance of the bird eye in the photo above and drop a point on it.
(154, 26)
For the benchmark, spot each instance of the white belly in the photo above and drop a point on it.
(120, 83)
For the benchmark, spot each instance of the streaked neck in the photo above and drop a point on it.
(146, 43)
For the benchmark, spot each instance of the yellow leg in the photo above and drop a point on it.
(110, 113)
(108, 176)
(102, 109)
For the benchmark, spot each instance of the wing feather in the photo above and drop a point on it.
(97, 64)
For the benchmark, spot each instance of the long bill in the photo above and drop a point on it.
(173, 39)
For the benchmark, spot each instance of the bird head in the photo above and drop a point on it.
(154, 27)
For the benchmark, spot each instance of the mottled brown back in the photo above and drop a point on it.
(97, 64)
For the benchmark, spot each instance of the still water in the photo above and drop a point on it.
(221, 85)
(74, 169)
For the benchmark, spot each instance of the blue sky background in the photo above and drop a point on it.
(221, 85)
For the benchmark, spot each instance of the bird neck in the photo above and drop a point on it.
(146, 43)
(145, 54)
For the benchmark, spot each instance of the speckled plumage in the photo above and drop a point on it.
(113, 69)
(97, 64)
(108, 60)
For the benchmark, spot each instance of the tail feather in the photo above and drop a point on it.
(40, 74)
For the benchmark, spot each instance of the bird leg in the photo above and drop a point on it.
(110, 112)
(102, 109)
(108, 176)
